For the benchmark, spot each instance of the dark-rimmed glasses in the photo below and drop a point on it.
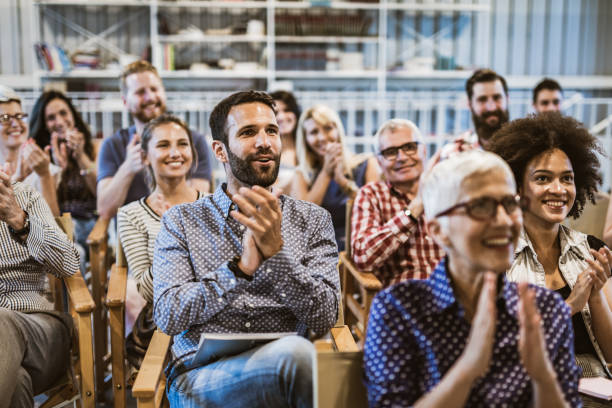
(390, 153)
(6, 118)
(485, 208)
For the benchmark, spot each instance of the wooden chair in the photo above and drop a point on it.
(78, 383)
(592, 220)
(149, 387)
(150, 384)
(358, 288)
(100, 259)
(115, 302)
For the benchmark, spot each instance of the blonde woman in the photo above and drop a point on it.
(328, 174)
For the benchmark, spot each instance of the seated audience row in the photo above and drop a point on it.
(250, 259)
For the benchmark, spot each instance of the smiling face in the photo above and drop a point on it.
(252, 155)
(476, 246)
(145, 97)
(13, 133)
(549, 186)
(58, 117)
(489, 106)
(318, 136)
(169, 152)
(285, 118)
(405, 168)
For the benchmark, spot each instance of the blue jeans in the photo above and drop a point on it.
(276, 374)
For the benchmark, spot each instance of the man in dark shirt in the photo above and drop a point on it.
(120, 169)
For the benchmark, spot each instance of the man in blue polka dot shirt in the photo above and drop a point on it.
(245, 259)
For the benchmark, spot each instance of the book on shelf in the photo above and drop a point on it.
(168, 57)
(214, 346)
(596, 387)
(52, 58)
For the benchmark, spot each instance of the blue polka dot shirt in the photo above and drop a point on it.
(195, 291)
(417, 330)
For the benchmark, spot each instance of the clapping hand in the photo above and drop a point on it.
(532, 347)
(59, 150)
(35, 158)
(133, 156)
(261, 214)
(479, 348)
(10, 211)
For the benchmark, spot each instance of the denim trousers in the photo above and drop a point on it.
(34, 354)
(276, 374)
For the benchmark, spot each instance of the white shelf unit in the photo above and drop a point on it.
(376, 37)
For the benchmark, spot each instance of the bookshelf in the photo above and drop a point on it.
(265, 41)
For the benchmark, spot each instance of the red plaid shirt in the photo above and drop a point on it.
(385, 241)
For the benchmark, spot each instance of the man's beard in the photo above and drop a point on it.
(486, 131)
(244, 171)
(144, 118)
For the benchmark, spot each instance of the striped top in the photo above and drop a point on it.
(138, 226)
(24, 265)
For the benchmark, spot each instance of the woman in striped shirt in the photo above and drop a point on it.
(169, 156)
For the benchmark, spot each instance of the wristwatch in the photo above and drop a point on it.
(411, 216)
(23, 231)
(233, 266)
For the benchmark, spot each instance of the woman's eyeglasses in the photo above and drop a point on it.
(485, 208)
(6, 118)
(409, 149)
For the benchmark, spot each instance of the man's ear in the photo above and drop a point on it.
(434, 229)
(219, 151)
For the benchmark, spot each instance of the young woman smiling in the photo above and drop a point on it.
(169, 156)
(554, 161)
(328, 175)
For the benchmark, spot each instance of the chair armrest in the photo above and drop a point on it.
(152, 366)
(79, 294)
(365, 279)
(117, 284)
(343, 339)
(98, 233)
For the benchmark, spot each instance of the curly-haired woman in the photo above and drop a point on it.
(554, 161)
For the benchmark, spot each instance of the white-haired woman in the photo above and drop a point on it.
(328, 174)
(466, 336)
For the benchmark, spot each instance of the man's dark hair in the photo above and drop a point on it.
(289, 100)
(218, 116)
(546, 83)
(484, 75)
(519, 141)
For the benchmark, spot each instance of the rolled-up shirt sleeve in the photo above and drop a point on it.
(46, 242)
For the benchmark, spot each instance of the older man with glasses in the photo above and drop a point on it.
(388, 231)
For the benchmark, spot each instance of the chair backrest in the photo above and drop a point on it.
(66, 224)
(120, 259)
(347, 227)
(593, 217)
(56, 285)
